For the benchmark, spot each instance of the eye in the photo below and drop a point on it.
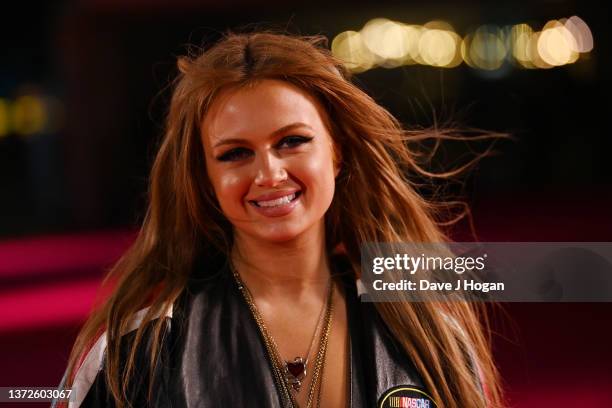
(293, 141)
(238, 153)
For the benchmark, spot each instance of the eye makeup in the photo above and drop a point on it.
(241, 153)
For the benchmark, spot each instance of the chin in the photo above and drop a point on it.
(278, 234)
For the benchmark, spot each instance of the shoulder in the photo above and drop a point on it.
(91, 364)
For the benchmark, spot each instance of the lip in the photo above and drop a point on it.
(279, 210)
(273, 195)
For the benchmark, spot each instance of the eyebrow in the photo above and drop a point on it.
(273, 134)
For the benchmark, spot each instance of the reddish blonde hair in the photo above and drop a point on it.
(374, 202)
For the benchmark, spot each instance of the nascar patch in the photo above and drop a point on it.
(405, 396)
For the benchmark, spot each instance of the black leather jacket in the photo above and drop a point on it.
(213, 354)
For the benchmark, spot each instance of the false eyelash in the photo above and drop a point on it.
(239, 153)
(234, 154)
(296, 139)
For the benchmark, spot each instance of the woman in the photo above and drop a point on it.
(240, 289)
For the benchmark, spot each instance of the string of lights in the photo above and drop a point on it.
(390, 44)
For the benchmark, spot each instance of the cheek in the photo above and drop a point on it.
(320, 173)
(230, 187)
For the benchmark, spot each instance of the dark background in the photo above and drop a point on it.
(72, 196)
(106, 61)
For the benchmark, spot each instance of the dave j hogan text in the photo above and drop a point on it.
(466, 285)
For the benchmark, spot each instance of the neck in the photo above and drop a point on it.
(288, 268)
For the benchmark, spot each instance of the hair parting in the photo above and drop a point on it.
(376, 200)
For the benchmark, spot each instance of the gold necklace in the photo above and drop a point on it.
(280, 369)
(296, 370)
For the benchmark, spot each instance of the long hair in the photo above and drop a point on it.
(375, 201)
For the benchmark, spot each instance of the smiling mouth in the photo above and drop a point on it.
(277, 202)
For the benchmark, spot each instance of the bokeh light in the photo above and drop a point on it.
(581, 33)
(485, 48)
(440, 48)
(387, 40)
(29, 115)
(556, 44)
(350, 48)
(520, 41)
(534, 54)
(386, 43)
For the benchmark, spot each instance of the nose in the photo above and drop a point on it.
(270, 171)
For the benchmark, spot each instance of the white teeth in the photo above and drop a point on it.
(275, 203)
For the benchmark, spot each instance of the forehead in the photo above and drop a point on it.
(259, 110)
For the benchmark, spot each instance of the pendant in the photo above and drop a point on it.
(295, 372)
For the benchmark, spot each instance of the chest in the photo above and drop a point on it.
(220, 358)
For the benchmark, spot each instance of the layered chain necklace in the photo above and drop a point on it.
(290, 374)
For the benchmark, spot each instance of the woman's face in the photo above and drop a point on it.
(270, 160)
